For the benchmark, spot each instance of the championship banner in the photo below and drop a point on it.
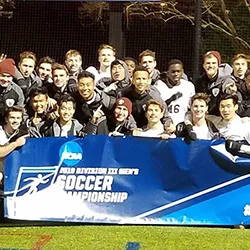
(127, 180)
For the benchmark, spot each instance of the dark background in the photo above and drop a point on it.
(52, 28)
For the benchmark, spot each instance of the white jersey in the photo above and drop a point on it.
(4, 139)
(178, 108)
(98, 75)
(152, 132)
(202, 132)
(236, 129)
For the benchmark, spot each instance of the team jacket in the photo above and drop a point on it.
(84, 109)
(10, 96)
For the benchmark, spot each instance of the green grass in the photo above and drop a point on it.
(117, 237)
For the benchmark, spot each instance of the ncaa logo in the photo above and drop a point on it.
(70, 153)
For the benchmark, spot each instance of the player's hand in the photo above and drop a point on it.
(36, 120)
(97, 114)
(21, 140)
(232, 146)
(165, 136)
(115, 133)
(51, 103)
(112, 86)
(137, 132)
(3, 57)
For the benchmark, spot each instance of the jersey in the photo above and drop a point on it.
(236, 129)
(177, 108)
(202, 132)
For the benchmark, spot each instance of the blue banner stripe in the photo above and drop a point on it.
(133, 246)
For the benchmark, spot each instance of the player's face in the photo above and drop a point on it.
(131, 67)
(154, 113)
(211, 66)
(106, 57)
(199, 108)
(73, 63)
(86, 87)
(39, 103)
(148, 62)
(121, 113)
(27, 67)
(5, 79)
(60, 78)
(141, 81)
(240, 67)
(66, 111)
(175, 72)
(13, 121)
(118, 72)
(45, 71)
(228, 109)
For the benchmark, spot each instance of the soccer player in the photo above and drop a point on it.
(11, 136)
(106, 55)
(154, 114)
(201, 128)
(211, 80)
(147, 60)
(65, 125)
(178, 95)
(119, 123)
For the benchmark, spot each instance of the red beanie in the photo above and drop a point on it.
(7, 66)
(214, 53)
(123, 101)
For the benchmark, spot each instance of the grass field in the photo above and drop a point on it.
(121, 238)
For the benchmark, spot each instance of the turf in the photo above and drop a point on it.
(123, 237)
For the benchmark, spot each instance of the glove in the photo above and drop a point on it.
(174, 97)
(190, 133)
(232, 147)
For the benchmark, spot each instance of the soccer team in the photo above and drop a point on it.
(123, 97)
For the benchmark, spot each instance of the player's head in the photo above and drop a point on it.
(228, 105)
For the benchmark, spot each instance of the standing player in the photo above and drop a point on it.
(178, 97)
(106, 55)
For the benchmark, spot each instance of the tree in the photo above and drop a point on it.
(6, 8)
(226, 18)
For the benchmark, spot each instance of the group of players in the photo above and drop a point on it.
(123, 97)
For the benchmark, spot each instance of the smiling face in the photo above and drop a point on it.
(13, 121)
(121, 113)
(141, 81)
(154, 113)
(60, 78)
(5, 79)
(106, 57)
(39, 103)
(199, 109)
(175, 72)
(73, 63)
(66, 111)
(86, 88)
(211, 66)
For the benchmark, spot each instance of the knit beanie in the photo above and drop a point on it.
(214, 53)
(7, 66)
(123, 101)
